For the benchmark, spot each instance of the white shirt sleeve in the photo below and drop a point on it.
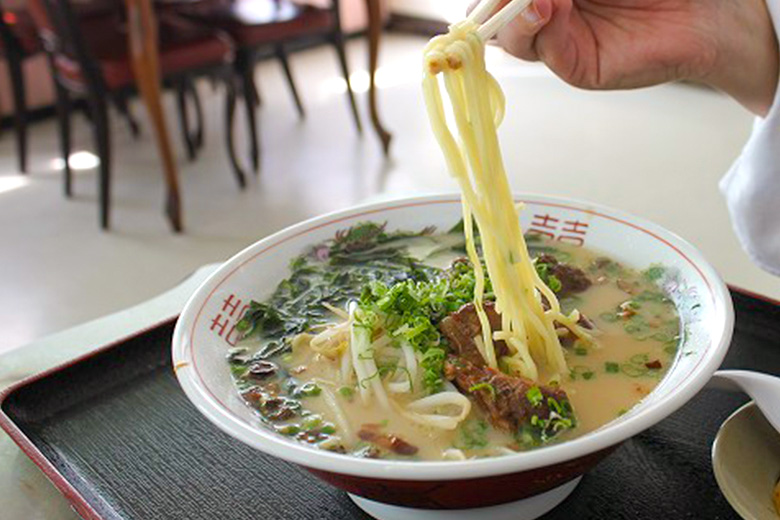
(752, 186)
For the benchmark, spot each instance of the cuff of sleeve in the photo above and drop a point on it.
(752, 185)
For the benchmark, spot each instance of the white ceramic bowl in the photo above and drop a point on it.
(204, 333)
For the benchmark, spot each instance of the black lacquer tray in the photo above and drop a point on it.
(117, 436)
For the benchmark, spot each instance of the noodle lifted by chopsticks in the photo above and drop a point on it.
(475, 161)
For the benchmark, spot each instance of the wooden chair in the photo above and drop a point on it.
(18, 41)
(89, 57)
(258, 25)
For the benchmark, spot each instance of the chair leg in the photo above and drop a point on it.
(247, 70)
(281, 53)
(124, 108)
(100, 126)
(193, 92)
(20, 108)
(184, 119)
(338, 43)
(230, 112)
(63, 124)
(258, 97)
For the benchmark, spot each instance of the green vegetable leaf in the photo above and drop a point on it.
(472, 435)
(654, 272)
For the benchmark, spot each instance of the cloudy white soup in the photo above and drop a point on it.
(375, 347)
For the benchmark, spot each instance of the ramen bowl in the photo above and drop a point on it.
(390, 489)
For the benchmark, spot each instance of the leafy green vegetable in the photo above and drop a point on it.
(346, 391)
(333, 272)
(366, 236)
(654, 272)
(473, 435)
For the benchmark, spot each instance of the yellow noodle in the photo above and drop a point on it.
(475, 161)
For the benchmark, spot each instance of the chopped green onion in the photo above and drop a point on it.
(310, 390)
(633, 370)
(289, 429)
(609, 317)
(484, 386)
(311, 422)
(611, 367)
(554, 283)
(534, 396)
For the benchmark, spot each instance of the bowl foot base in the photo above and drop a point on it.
(526, 509)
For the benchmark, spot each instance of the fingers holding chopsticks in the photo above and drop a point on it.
(517, 33)
(518, 37)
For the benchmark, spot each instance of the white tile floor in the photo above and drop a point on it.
(657, 153)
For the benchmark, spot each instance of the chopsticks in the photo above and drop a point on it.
(490, 27)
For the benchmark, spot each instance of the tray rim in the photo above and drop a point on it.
(79, 502)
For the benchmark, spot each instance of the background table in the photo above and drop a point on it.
(142, 29)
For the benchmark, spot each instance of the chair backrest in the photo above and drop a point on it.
(58, 28)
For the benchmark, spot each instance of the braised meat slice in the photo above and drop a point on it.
(513, 404)
(573, 279)
(462, 326)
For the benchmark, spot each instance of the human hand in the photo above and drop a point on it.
(616, 44)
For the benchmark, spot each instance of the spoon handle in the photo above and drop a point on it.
(764, 389)
(721, 381)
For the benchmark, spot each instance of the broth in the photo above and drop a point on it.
(298, 391)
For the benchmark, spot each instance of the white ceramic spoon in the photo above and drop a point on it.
(762, 388)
